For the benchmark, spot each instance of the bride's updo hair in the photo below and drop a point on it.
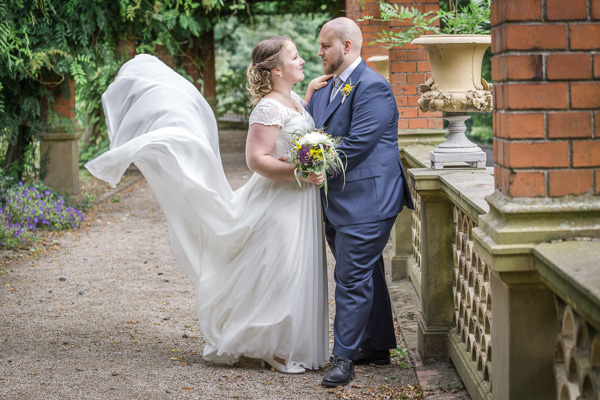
(266, 55)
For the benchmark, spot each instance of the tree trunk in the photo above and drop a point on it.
(15, 153)
(189, 61)
(209, 74)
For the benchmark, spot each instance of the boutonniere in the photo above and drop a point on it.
(346, 90)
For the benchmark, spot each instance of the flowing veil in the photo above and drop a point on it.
(158, 120)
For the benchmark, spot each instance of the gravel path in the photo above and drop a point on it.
(105, 313)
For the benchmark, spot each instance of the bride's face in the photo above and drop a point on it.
(291, 70)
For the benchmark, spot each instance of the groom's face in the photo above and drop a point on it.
(331, 50)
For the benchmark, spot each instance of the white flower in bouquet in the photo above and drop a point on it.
(315, 138)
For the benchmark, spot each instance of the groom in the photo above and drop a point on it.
(359, 106)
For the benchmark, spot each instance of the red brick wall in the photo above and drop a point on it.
(64, 98)
(547, 96)
(127, 48)
(409, 65)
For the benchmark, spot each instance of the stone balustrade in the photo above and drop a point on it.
(572, 271)
(452, 279)
(461, 318)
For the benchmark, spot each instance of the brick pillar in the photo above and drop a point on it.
(163, 54)
(369, 28)
(409, 67)
(547, 158)
(127, 48)
(547, 95)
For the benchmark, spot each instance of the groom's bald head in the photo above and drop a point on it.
(345, 30)
(340, 44)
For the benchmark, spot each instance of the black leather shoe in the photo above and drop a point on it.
(340, 373)
(377, 357)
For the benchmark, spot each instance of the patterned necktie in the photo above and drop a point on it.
(337, 82)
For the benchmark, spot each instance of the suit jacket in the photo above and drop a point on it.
(375, 187)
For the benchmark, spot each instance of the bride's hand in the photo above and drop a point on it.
(319, 82)
(317, 179)
(315, 85)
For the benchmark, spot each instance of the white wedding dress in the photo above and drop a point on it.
(256, 255)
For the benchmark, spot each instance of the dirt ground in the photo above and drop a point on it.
(104, 312)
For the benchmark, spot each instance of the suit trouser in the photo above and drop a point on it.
(362, 303)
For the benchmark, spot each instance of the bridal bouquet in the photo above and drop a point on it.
(315, 151)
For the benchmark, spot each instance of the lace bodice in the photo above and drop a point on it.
(271, 112)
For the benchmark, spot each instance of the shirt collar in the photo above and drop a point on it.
(348, 71)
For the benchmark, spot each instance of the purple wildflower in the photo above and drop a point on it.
(303, 155)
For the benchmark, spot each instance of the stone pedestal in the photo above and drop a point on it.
(523, 332)
(382, 65)
(457, 149)
(401, 251)
(59, 152)
(436, 265)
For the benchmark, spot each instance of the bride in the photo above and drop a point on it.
(255, 255)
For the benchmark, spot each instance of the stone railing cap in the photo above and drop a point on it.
(571, 269)
(465, 187)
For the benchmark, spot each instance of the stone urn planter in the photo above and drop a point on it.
(382, 65)
(456, 87)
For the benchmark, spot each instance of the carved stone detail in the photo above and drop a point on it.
(576, 356)
(415, 227)
(436, 100)
(472, 317)
(480, 100)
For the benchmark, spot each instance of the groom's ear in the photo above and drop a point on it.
(347, 46)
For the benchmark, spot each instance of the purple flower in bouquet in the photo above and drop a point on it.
(303, 155)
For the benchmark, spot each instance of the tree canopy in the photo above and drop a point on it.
(45, 42)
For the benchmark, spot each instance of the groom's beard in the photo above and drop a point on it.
(333, 65)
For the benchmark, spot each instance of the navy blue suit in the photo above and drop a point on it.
(360, 212)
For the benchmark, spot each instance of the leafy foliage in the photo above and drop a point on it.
(472, 18)
(235, 43)
(420, 24)
(45, 42)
